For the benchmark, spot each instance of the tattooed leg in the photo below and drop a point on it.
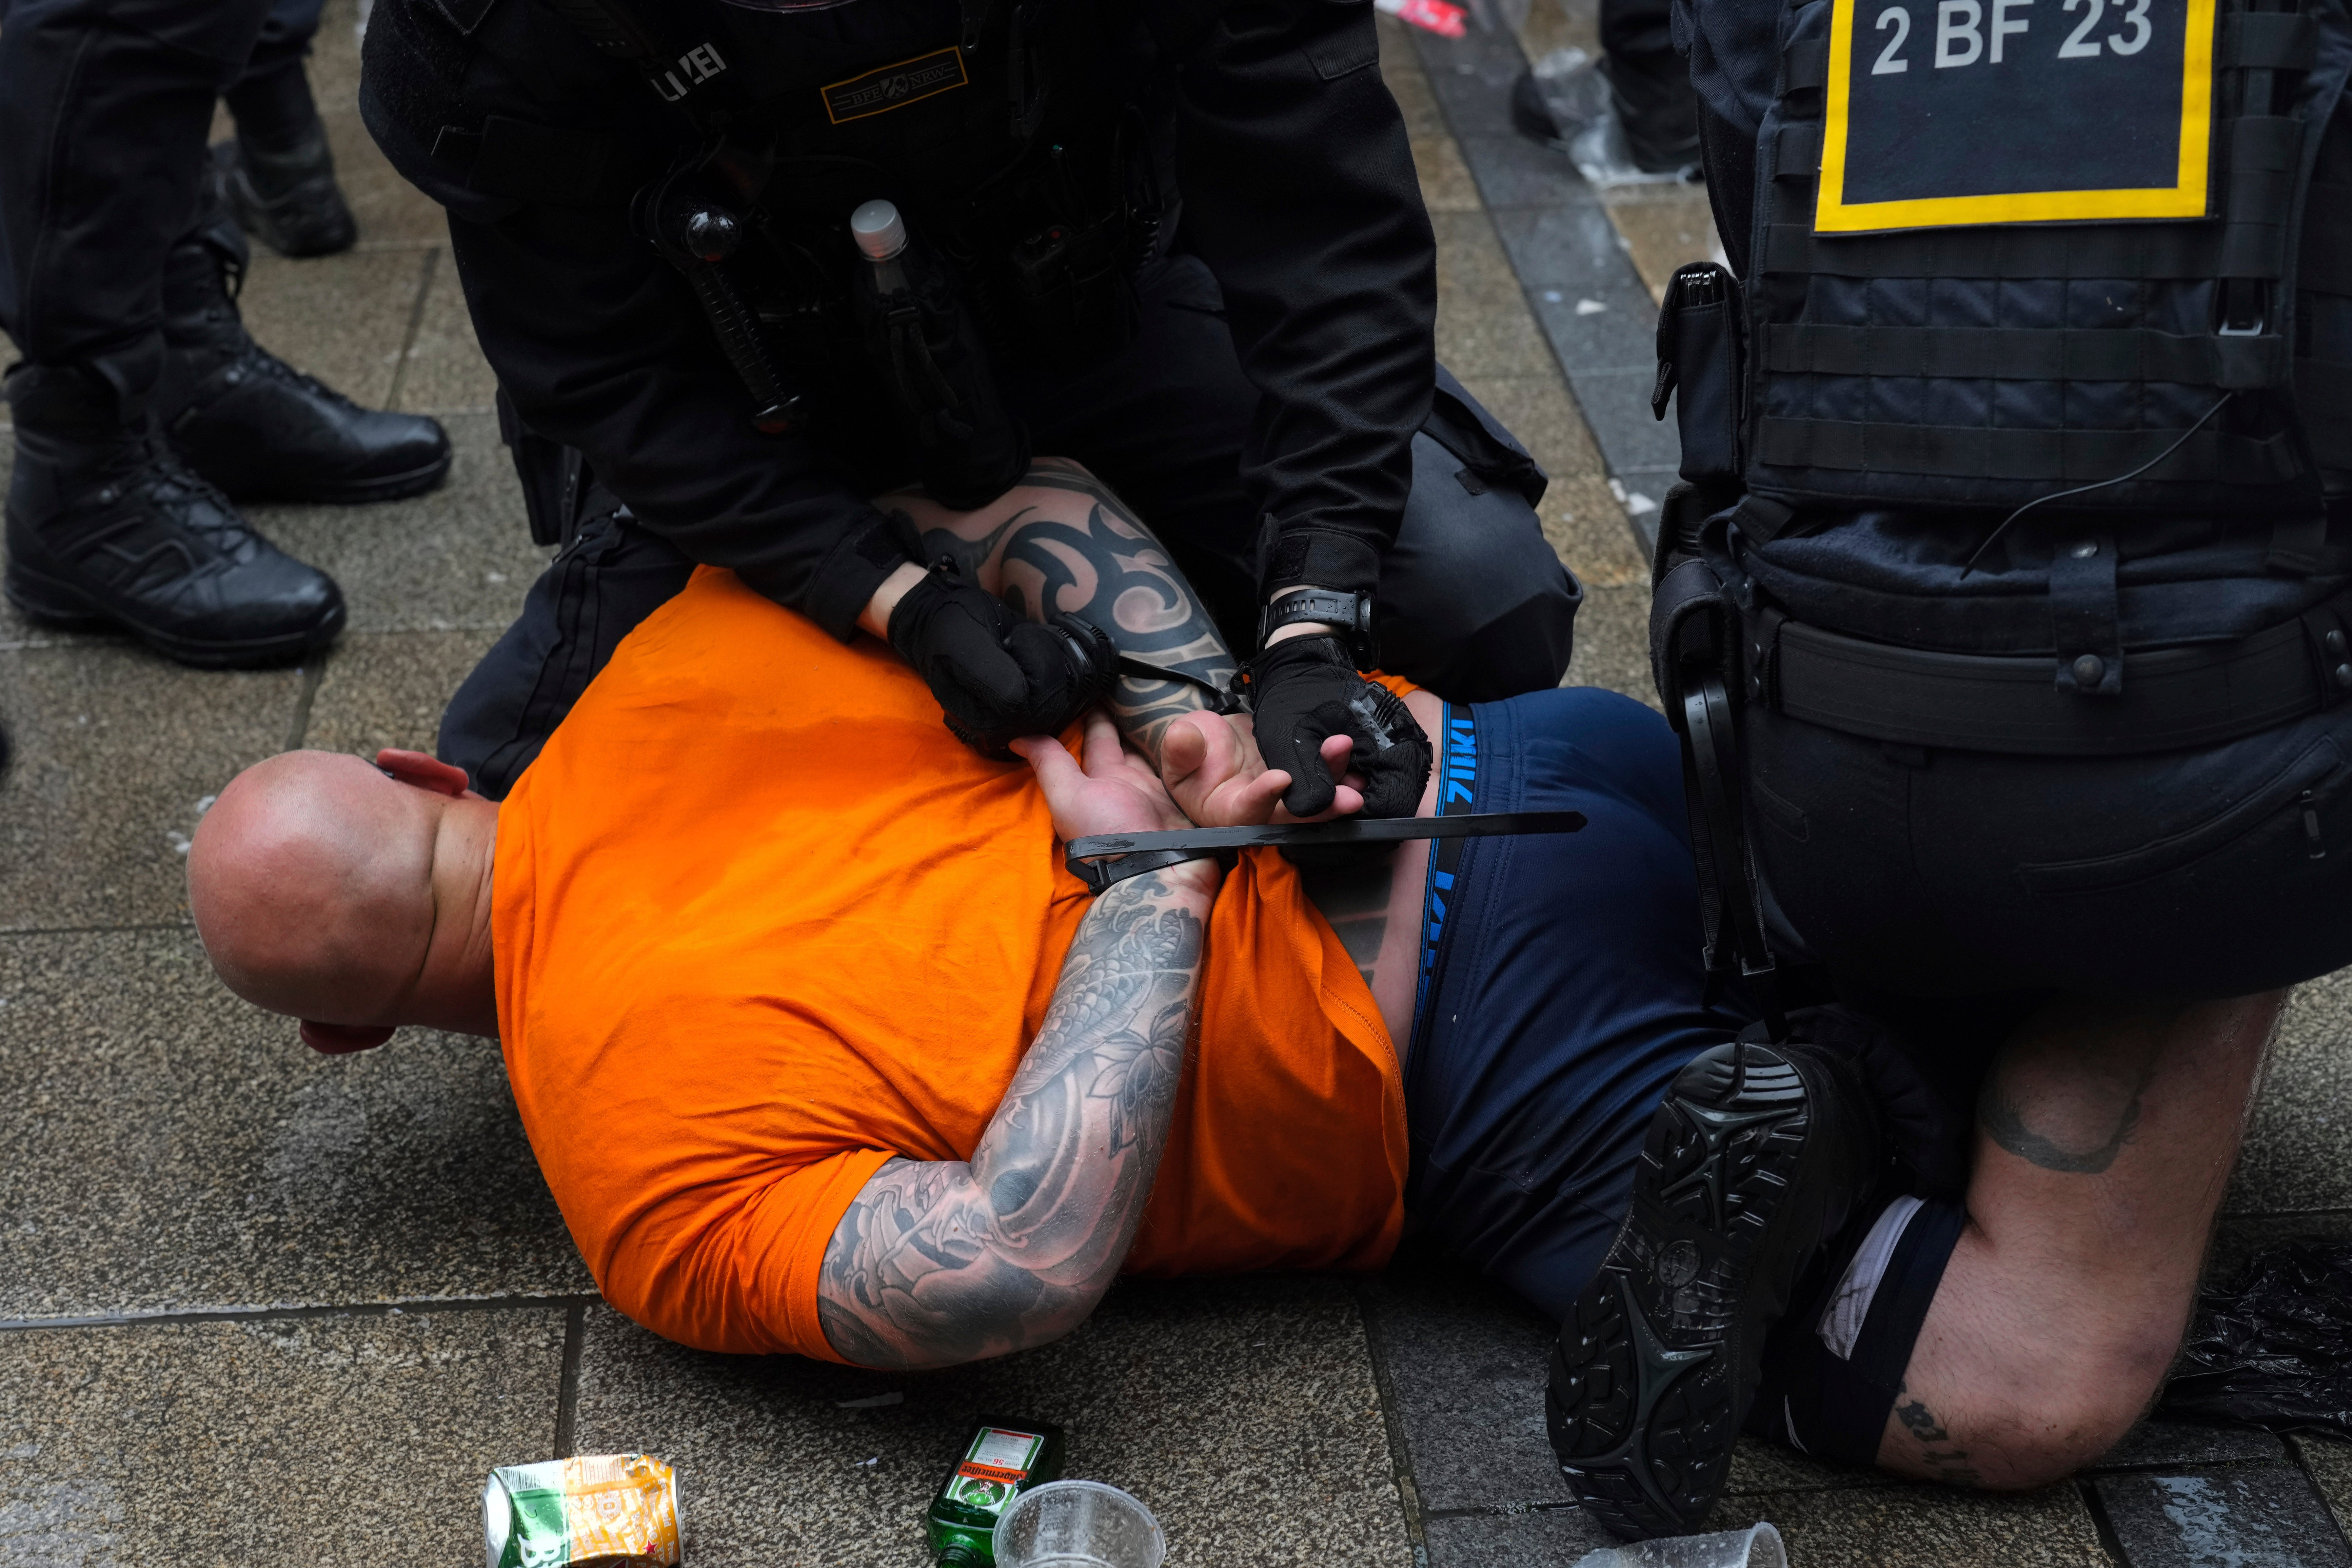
(940, 1263)
(2105, 1137)
(1060, 542)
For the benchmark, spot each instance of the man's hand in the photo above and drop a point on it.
(998, 674)
(1212, 766)
(1304, 691)
(1112, 790)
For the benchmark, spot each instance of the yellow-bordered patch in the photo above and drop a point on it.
(1990, 119)
(895, 86)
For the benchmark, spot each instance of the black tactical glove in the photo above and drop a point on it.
(998, 674)
(1305, 690)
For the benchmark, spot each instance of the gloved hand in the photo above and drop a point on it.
(1304, 690)
(998, 674)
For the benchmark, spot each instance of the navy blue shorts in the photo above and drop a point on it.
(1561, 985)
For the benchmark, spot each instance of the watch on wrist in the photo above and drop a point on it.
(1352, 612)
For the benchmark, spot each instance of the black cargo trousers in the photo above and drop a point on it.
(1472, 602)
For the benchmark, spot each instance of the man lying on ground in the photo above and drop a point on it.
(822, 1051)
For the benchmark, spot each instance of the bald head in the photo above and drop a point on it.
(338, 892)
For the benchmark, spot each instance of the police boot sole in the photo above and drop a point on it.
(53, 602)
(1659, 1356)
(353, 492)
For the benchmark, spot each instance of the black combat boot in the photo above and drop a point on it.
(105, 524)
(287, 199)
(249, 423)
(1758, 1156)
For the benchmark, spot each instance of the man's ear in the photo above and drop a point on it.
(425, 772)
(342, 1038)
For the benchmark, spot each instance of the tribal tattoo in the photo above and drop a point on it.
(939, 1262)
(1105, 566)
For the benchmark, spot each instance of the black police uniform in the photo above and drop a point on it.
(1242, 165)
(2017, 537)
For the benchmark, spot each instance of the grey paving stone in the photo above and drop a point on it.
(1514, 171)
(1924, 1527)
(1446, 183)
(1612, 643)
(114, 748)
(1616, 405)
(2328, 1462)
(1620, 334)
(1566, 247)
(458, 558)
(2247, 1516)
(1482, 318)
(2238, 1236)
(1757, 1466)
(392, 214)
(445, 372)
(172, 1149)
(391, 690)
(1242, 1412)
(1407, 83)
(2298, 1153)
(342, 318)
(1466, 1363)
(1549, 1536)
(2158, 1444)
(1664, 231)
(354, 1440)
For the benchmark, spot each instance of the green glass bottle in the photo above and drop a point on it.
(1000, 1459)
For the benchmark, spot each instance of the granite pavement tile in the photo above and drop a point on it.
(114, 748)
(172, 1148)
(1446, 183)
(1924, 1527)
(1610, 324)
(1514, 170)
(1483, 328)
(391, 690)
(1583, 521)
(1243, 1412)
(1472, 78)
(343, 1441)
(2328, 1462)
(2244, 1516)
(2161, 1444)
(342, 318)
(1467, 1363)
(1573, 248)
(458, 558)
(1616, 405)
(392, 214)
(1552, 1537)
(1612, 643)
(2298, 1153)
(445, 372)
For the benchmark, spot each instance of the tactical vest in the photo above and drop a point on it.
(2140, 271)
(1011, 142)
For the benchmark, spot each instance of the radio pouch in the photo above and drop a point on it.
(1699, 367)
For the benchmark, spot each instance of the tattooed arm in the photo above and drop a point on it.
(945, 1261)
(1061, 542)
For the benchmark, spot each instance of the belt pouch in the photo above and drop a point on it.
(1698, 364)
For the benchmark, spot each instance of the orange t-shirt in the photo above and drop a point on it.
(761, 923)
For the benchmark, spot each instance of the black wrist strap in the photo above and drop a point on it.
(1352, 612)
(1193, 843)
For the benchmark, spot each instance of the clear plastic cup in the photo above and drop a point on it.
(1078, 1524)
(1758, 1546)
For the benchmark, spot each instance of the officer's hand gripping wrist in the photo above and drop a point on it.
(1305, 690)
(998, 675)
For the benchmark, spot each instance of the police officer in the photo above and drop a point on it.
(2005, 608)
(1188, 239)
(143, 409)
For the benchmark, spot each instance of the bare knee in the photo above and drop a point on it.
(2069, 1401)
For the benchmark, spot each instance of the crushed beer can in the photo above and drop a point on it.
(605, 1510)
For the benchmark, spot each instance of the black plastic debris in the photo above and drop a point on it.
(2273, 1348)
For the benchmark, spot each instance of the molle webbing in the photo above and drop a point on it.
(1974, 451)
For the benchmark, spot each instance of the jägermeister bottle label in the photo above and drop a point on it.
(1001, 1458)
